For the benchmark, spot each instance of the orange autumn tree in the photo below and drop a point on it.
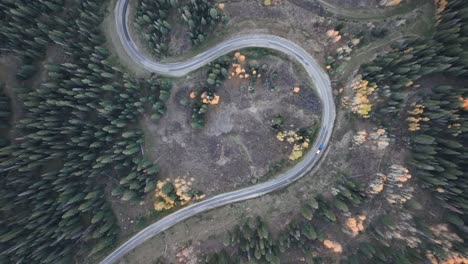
(355, 224)
(240, 68)
(333, 245)
(464, 104)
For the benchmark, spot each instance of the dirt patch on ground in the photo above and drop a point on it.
(180, 40)
(238, 144)
(207, 230)
(360, 163)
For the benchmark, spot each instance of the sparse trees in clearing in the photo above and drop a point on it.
(305, 233)
(277, 122)
(206, 95)
(152, 21)
(179, 193)
(201, 16)
(254, 241)
(394, 238)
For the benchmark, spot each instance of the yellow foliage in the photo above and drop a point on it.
(409, 84)
(238, 70)
(159, 206)
(213, 100)
(356, 225)
(361, 103)
(441, 5)
(377, 185)
(396, 191)
(453, 259)
(159, 185)
(464, 103)
(296, 152)
(457, 259)
(300, 143)
(181, 188)
(332, 33)
(392, 2)
(335, 246)
(446, 239)
(360, 137)
(356, 41)
(413, 122)
(408, 50)
(280, 136)
(413, 127)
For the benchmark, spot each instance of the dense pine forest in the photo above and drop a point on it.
(77, 132)
(437, 116)
(152, 20)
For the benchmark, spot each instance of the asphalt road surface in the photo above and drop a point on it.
(177, 69)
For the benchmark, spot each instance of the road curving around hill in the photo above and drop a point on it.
(318, 76)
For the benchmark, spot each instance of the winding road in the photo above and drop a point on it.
(178, 69)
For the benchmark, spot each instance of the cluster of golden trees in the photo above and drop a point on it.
(360, 103)
(179, 193)
(300, 143)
